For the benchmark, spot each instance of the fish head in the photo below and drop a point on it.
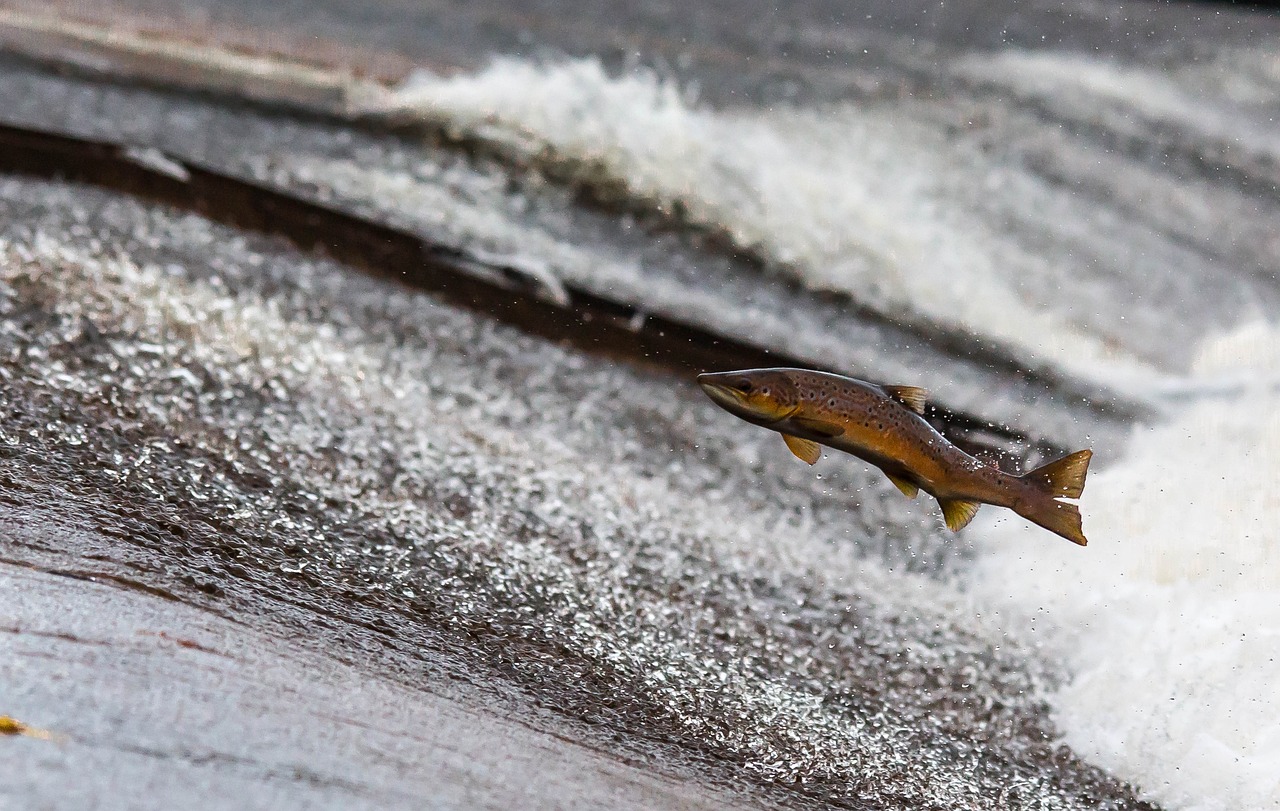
(762, 396)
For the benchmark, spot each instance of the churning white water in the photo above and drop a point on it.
(843, 198)
(1170, 620)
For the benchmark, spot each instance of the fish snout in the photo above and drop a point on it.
(713, 383)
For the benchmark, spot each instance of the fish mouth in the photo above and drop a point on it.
(735, 402)
(721, 394)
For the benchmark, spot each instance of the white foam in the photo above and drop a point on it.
(1170, 620)
(846, 198)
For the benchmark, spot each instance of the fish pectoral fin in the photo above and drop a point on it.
(819, 427)
(908, 489)
(805, 449)
(958, 514)
(912, 397)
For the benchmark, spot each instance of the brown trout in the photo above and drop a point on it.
(883, 425)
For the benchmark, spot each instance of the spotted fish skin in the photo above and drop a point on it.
(883, 425)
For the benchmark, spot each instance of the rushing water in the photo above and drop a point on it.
(1170, 626)
(1068, 252)
(622, 551)
(602, 540)
(903, 205)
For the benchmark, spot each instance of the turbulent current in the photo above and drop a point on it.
(626, 554)
(1176, 591)
(609, 545)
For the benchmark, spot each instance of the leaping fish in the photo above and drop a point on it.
(884, 425)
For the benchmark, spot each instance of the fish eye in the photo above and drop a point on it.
(744, 386)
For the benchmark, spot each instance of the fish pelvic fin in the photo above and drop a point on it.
(908, 489)
(957, 513)
(805, 449)
(1058, 517)
(912, 397)
(1063, 478)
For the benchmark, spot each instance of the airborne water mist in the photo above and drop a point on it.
(1170, 625)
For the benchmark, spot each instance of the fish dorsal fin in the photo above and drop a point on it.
(958, 513)
(819, 427)
(805, 449)
(912, 397)
(1062, 478)
(908, 489)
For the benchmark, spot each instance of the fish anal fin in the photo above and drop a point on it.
(819, 427)
(957, 513)
(1062, 478)
(908, 489)
(805, 449)
(912, 397)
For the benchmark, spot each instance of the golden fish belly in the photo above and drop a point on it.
(884, 450)
(929, 461)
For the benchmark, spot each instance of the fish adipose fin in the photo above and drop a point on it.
(908, 489)
(910, 396)
(958, 513)
(805, 449)
(1063, 478)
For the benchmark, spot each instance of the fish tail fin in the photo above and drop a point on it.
(1058, 517)
(1062, 478)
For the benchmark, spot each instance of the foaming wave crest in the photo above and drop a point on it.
(1170, 620)
(844, 198)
